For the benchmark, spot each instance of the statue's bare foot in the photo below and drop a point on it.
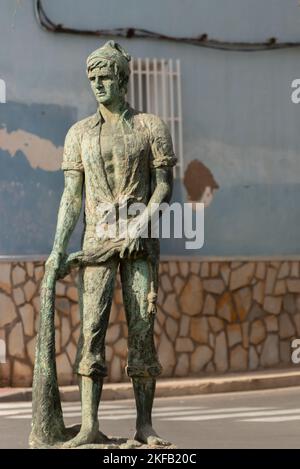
(146, 434)
(87, 435)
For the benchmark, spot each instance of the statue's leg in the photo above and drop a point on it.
(143, 365)
(96, 293)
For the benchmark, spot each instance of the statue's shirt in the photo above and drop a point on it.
(117, 166)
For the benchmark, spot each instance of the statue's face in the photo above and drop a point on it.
(105, 86)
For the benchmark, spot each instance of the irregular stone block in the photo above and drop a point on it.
(204, 269)
(22, 374)
(57, 341)
(195, 268)
(209, 308)
(72, 293)
(157, 328)
(286, 328)
(270, 351)
(211, 340)
(258, 292)
(225, 273)
(221, 354)
(182, 367)
(242, 276)
(184, 269)
(293, 285)
(30, 347)
(184, 344)
(200, 358)
(273, 304)
(256, 312)
(242, 299)
(184, 326)
(18, 295)
(258, 332)
(178, 285)
(234, 334)
(191, 298)
(271, 323)
(253, 358)
(30, 269)
(166, 355)
(115, 369)
(236, 264)
(238, 359)
(18, 275)
(260, 272)
(7, 310)
(225, 308)
(113, 333)
(280, 287)
(36, 304)
(297, 323)
(29, 290)
(76, 334)
(173, 268)
(60, 289)
(216, 324)
(16, 347)
(289, 303)
(270, 281)
(120, 347)
(165, 283)
(74, 314)
(284, 270)
(65, 331)
(160, 316)
(295, 269)
(171, 328)
(71, 352)
(214, 271)
(27, 315)
(170, 306)
(214, 286)
(245, 334)
(63, 305)
(39, 273)
(109, 352)
(285, 351)
(64, 369)
(5, 283)
(199, 330)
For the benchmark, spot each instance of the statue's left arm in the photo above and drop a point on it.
(162, 160)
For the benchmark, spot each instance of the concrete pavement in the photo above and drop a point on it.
(256, 419)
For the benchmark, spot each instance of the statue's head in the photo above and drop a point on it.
(108, 72)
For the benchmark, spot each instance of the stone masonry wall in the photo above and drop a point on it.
(213, 317)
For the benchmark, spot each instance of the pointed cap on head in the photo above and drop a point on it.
(111, 56)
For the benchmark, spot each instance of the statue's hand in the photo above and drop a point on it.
(132, 247)
(54, 262)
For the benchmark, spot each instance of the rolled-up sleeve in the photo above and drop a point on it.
(162, 153)
(72, 152)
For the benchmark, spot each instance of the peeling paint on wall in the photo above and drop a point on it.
(40, 152)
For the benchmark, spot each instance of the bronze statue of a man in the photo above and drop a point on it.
(116, 155)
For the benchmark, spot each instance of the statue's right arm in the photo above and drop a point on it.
(68, 214)
(71, 201)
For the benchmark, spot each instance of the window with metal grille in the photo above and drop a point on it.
(155, 87)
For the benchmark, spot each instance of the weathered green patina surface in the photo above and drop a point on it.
(118, 157)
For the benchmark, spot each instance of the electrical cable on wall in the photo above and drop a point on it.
(137, 33)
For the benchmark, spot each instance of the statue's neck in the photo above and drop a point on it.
(112, 112)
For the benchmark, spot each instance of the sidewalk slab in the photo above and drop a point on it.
(250, 381)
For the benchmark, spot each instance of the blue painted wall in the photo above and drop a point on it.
(239, 119)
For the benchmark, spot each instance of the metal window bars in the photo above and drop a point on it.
(155, 87)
